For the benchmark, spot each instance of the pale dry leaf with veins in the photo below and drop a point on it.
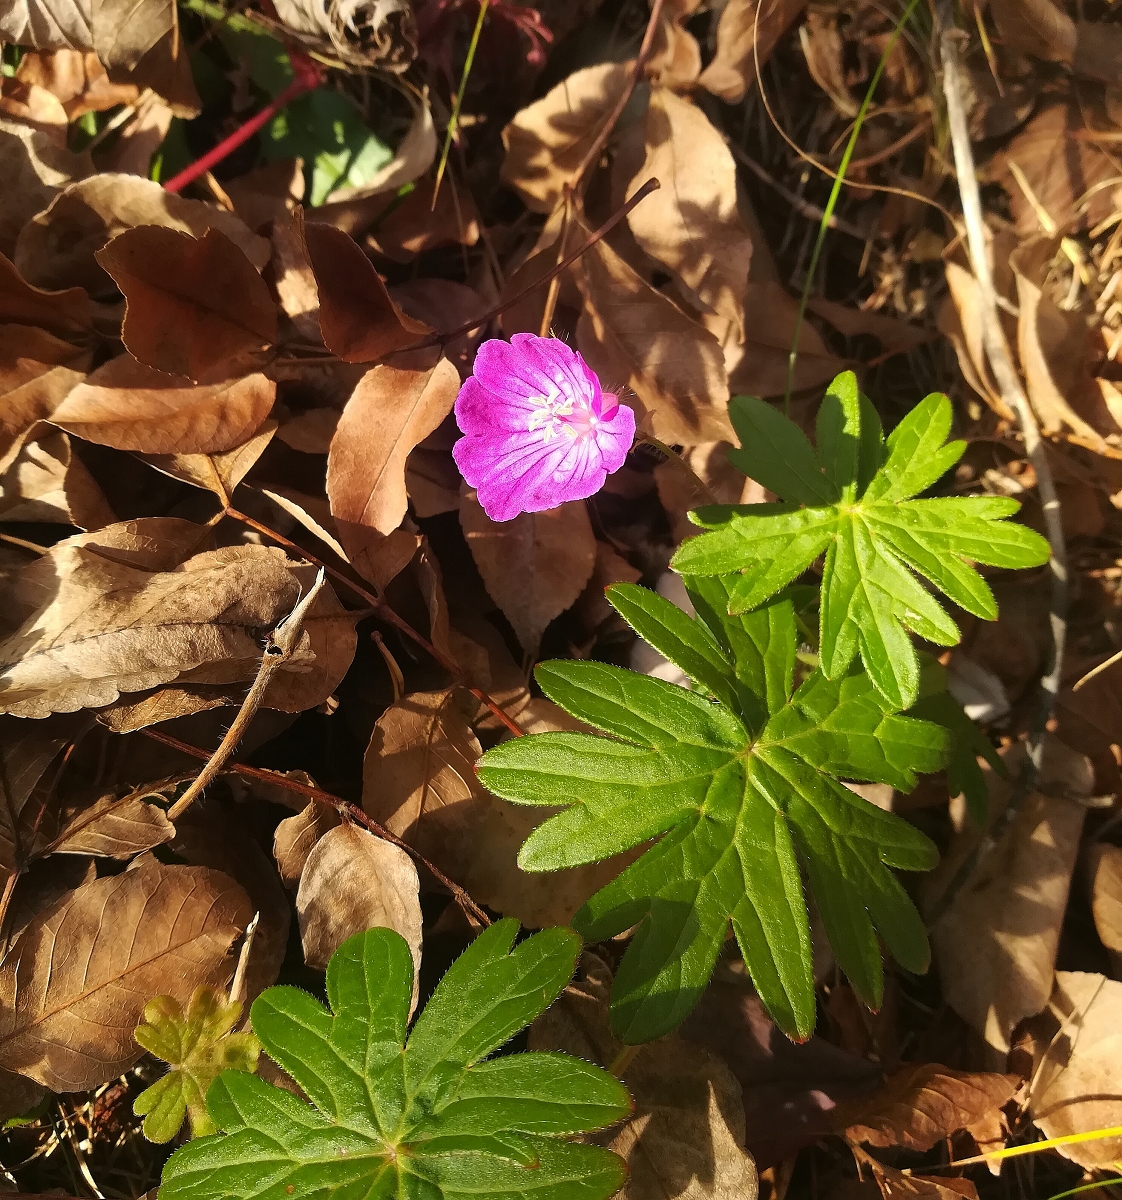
(534, 566)
(691, 224)
(74, 985)
(353, 881)
(547, 141)
(86, 624)
(119, 32)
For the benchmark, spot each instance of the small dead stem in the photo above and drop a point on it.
(1013, 394)
(279, 650)
(345, 809)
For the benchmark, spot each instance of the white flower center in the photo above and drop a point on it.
(557, 414)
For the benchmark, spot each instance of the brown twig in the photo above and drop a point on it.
(344, 808)
(386, 613)
(279, 650)
(1013, 394)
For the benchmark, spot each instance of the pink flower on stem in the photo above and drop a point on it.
(538, 428)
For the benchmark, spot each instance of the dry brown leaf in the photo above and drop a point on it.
(66, 314)
(129, 406)
(419, 782)
(296, 835)
(86, 624)
(219, 473)
(194, 307)
(119, 32)
(1057, 351)
(675, 58)
(547, 140)
(77, 979)
(1105, 863)
(691, 224)
(34, 169)
(30, 104)
(922, 1104)
(78, 80)
(48, 482)
(115, 827)
(313, 512)
(633, 336)
(56, 249)
(1075, 186)
(18, 1095)
(216, 838)
(1077, 1087)
(996, 946)
(533, 567)
(685, 1138)
(896, 1185)
(390, 411)
(410, 226)
(26, 751)
(353, 881)
(746, 34)
(358, 320)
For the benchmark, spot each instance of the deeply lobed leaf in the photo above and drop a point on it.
(853, 499)
(423, 1116)
(745, 790)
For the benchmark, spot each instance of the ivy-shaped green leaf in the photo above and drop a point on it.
(744, 793)
(852, 500)
(197, 1044)
(426, 1117)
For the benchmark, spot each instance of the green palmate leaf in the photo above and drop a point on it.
(852, 499)
(744, 790)
(198, 1044)
(419, 1118)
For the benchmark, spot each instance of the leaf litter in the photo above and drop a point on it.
(211, 389)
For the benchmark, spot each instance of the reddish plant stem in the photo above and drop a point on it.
(346, 810)
(307, 79)
(386, 613)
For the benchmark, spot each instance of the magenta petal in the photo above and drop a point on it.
(539, 431)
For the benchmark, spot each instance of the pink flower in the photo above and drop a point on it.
(538, 429)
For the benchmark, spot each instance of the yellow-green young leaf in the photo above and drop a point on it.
(197, 1044)
(428, 1116)
(744, 790)
(852, 499)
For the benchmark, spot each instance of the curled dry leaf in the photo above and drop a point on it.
(899, 1185)
(633, 336)
(412, 158)
(368, 33)
(1056, 351)
(691, 224)
(922, 1104)
(358, 320)
(675, 59)
(48, 482)
(746, 35)
(30, 104)
(1105, 864)
(115, 827)
(533, 567)
(296, 835)
(685, 1138)
(129, 406)
(996, 946)
(194, 307)
(547, 141)
(56, 249)
(353, 881)
(34, 169)
(1077, 1086)
(76, 981)
(119, 32)
(87, 624)
(391, 410)
(419, 782)
(78, 79)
